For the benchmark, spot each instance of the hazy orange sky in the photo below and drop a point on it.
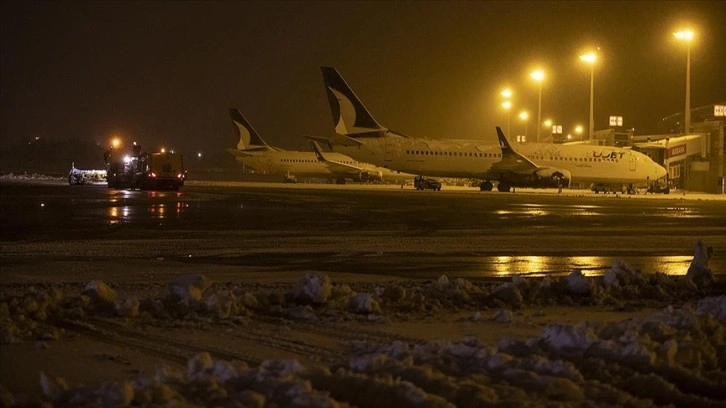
(165, 73)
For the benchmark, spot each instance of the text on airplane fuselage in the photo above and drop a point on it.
(611, 155)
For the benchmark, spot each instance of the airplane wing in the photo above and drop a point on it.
(334, 166)
(516, 168)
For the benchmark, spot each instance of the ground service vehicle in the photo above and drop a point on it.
(164, 170)
(81, 177)
(659, 187)
(145, 171)
(423, 183)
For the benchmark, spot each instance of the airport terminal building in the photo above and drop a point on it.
(695, 160)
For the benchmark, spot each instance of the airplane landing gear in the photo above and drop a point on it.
(486, 186)
(503, 187)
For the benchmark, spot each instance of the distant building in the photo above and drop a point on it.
(673, 124)
(695, 161)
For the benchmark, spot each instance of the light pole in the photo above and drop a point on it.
(687, 36)
(507, 104)
(548, 124)
(524, 115)
(538, 76)
(590, 58)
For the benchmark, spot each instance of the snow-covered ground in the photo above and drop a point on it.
(675, 195)
(624, 339)
(166, 333)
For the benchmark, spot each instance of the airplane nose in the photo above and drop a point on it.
(660, 172)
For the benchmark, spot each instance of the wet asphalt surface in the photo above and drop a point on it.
(357, 229)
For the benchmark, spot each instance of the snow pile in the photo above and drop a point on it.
(26, 176)
(28, 315)
(698, 271)
(672, 357)
(312, 289)
(36, 313)
(188, 288)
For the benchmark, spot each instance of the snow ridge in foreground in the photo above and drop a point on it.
(675, 356)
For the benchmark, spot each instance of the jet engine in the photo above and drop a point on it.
(551, 177)
(364, 176)
(375, 176)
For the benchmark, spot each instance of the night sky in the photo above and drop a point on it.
(165, 73)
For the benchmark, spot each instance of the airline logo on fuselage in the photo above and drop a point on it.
(605, 155)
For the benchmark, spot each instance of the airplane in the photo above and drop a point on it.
(254, 152)
(538, 165)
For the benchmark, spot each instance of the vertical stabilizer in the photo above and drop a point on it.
(248, 136)
(509, 154)
(350, 116)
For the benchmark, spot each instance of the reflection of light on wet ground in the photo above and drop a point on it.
(544, 210)
(157, 210)
(117, 214)
(682, 212)
(589, 265)
(160, 210)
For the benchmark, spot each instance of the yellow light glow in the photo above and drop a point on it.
(578, 129)
(115, 142)
(548, 123)
(685, 35)
(507, 93)
(590, 57)
(507, 105)
(163, 150)
(537, 75)
(523, 115)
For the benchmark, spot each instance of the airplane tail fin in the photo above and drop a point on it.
(350, 116)
(248, 136)
(318, 152)
(503, 142)
(508, 152)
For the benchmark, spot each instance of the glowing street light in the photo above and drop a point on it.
(687, 36)
(538, 76)
(508, 106)
(524, 115)
(590, 58)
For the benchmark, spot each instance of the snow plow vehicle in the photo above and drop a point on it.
(78, 177)
(144, 171)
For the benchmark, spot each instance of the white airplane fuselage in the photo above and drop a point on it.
(306, 164)
(473, 159)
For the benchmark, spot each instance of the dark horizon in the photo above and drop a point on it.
(165, 73)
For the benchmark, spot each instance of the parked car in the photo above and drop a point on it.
(423, 183)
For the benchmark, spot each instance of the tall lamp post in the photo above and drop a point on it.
(524, 115)
(590, 58)
(538, 76)
(687, 36)
(507, 104)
